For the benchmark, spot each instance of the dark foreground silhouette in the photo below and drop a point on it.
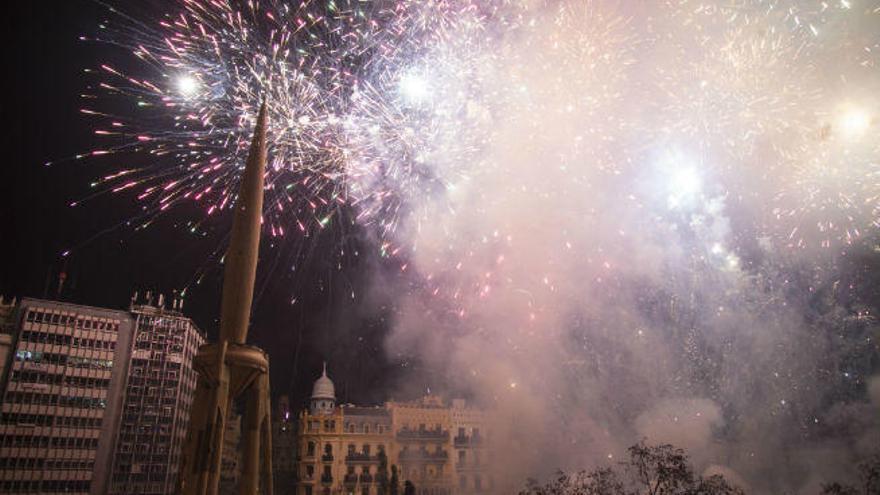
(665, 470)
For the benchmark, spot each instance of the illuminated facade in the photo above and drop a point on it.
(347, 449)
(63, 398)
(158, 399)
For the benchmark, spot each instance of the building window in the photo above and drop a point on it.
(478, 483)
(310, 452)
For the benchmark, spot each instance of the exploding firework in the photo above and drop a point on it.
(393, 108)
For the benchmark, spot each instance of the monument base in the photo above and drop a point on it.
(227, 372)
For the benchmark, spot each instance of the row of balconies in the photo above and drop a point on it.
(423, 454)
(466, 441)
(363, 478)
(423, 434)
(361, 457)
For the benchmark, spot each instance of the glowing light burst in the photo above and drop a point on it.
(833, 196)
(854, 122)
(414, 88)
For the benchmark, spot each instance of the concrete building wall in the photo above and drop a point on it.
(158, 397)
(60, 409)
(8, 311)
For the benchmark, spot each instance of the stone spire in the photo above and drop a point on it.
(241, 257)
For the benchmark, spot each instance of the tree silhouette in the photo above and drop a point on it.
(650, 470)
(382, 474)
(869, 480)
(395, 481)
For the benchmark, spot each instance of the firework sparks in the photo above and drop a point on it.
(393, 108)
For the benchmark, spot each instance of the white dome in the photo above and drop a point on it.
(324, 388)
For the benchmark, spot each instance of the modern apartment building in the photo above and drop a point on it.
(158, 398)
(61, 406)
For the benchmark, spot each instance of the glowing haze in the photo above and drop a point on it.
(614, 220)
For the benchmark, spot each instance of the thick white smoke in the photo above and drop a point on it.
(582, 273)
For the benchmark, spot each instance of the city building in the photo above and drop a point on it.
(284, 447)
(440, 448)
(7, 328)
(62, 403)
(158, 398)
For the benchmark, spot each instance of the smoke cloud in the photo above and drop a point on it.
(596, 272)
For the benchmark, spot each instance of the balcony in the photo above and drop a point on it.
(423, 455)
(350, 479)
(326, 479)
(468, 466)
(354, 457)
(366, 478)
(466, 441)
(435, 434)
(327, 457)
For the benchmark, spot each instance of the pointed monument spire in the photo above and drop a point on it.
(244, 244)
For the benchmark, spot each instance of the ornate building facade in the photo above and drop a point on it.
(437, 447)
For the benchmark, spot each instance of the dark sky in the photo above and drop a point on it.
(110, 260)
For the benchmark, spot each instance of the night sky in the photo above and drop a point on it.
(110, 261)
